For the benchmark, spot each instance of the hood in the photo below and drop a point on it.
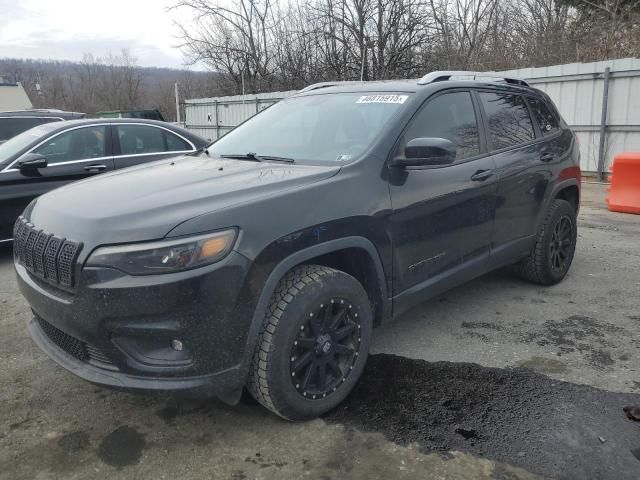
(147, 201)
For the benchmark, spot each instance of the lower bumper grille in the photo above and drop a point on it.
(76, 348)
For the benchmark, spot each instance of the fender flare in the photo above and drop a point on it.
(298, 258)
(570, 182)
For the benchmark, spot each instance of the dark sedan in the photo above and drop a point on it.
(53, 154)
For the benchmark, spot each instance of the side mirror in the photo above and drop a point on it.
(426, 151)
(32, 161)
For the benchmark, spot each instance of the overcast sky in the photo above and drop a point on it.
(65, 29)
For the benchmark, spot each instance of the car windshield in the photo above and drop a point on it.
(328, 127)
(15, 144)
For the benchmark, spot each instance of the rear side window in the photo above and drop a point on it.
(509, 120)
(175, 143)
(144, 139)
(12, 126)
(449, 116)
(547, 121)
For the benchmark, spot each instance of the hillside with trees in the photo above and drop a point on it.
(111, 83)
(268, 45)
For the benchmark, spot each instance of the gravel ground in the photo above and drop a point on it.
(495, 379)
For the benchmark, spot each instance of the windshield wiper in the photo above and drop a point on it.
(258, 158)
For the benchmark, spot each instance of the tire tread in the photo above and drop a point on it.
(290, 286)
(533, 268)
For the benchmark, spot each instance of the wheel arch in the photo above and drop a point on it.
(568, 189)
(570, 193)
(360, 251)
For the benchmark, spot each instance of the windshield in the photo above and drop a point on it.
(23, 140)
(332, 128)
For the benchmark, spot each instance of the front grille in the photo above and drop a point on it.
(46, 256)
(76, 348)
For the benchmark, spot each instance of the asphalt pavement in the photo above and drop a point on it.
(495, 379)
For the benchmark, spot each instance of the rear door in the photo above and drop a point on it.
(442, 216)
(72, 155)
(522, 161)
(141, 143)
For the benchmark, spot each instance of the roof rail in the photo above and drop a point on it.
(439, 76)
(317, 86)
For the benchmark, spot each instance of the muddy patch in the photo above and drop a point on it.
(544, 365)
(588, 336)
(122, 447)
(515, 416)
(74, 442)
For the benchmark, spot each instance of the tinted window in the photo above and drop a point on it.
(547, 121)
(449, 116)
(136, 139)
(10, 127)
(78, 144)
(175, 143)
(509, 120)
(21, 142)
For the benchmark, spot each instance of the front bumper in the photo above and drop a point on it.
(116, 330)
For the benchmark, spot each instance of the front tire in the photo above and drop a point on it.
(550, 259)
(313, 344)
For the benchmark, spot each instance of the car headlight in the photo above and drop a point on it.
(165, 256)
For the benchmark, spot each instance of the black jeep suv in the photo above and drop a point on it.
(265, 260)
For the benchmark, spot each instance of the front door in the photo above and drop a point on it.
(442, 217)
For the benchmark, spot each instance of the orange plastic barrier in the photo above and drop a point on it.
(624, 191)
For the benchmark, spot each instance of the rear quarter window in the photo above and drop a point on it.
(544, 116)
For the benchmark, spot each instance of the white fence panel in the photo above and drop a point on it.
(576, 88)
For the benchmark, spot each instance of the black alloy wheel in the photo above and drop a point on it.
(560, 246)
(326, 349)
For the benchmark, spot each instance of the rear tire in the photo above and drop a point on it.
(551, 258)
(313, 344)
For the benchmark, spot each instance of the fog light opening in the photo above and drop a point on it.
(177, 344)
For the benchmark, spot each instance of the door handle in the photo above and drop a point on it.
(95, 168)
(481, 175)
(547, 157)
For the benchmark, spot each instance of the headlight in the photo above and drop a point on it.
(165, 256)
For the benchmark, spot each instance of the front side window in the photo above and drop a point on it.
(450, 116)
(145, 139)
(323, 127)
(547, 121)
(509, 120)
(77, 144)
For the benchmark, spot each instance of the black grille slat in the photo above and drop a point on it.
(66, 259)
(22, 241)
(49, 257)
(38, 251)
(28, 248)
(17, 228)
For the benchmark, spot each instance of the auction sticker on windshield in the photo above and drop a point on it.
(383, 99)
